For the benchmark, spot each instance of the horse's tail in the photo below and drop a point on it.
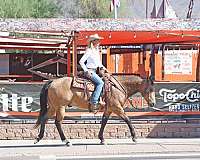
(43, 103)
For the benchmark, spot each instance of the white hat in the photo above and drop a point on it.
(94, 37)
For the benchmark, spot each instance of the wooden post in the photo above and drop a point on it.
(198, 66)
(152, 63)
(68, 62)
(108, 58)
(74, 52)
(163, 62)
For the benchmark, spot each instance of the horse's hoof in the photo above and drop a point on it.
(67, 143)
(134, 140)
(103, 142)
(36, 140)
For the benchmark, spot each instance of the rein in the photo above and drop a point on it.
(147, 88)
(146, 91)
(122, 89)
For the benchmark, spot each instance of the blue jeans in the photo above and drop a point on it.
(98, 88)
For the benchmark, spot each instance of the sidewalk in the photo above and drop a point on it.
(91, 147)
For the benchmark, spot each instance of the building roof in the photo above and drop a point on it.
(53, 34)
(58, 25)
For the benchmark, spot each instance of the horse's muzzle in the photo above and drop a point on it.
(152, 104)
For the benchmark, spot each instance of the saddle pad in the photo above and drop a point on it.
(82, 83)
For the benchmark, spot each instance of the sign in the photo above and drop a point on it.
(178, 61)
(15, 103)
(178, 97)
(19, 97)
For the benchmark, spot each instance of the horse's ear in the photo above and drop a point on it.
(150, 80)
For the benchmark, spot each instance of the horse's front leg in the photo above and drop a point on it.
(104, 121)
(128, 122)
(58, 121)
(61, 133)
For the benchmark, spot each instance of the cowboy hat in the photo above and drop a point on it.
(94, 37)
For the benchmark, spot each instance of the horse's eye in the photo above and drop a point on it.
(151, 89)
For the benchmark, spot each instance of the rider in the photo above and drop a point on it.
(89, 62)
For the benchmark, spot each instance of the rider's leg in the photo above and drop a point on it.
(99, 85)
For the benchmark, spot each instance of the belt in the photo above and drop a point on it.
(92, 69)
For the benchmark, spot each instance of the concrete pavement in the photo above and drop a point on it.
(55, 149)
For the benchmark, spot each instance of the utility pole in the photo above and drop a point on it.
(115, 9)
(191, 5)
(147, 8)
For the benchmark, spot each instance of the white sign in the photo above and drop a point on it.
(15, 103)
(178, 61)
(170, 95)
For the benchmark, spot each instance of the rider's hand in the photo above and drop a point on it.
(88, 74)
(106, 71)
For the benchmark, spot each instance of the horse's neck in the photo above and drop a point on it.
(130, 83)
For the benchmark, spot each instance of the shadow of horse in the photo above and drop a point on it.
(59, 145)
(56, 95)
(32, 146)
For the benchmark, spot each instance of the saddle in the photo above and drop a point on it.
(86, 85)
(83, 83)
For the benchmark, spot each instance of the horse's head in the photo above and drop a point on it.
(148, 92)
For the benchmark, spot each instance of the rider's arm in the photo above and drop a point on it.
(102, 66)
(84, 59)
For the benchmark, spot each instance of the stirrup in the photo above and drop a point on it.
(102, 103)
(92, 107)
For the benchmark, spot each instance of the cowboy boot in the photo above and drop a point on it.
(92, 107)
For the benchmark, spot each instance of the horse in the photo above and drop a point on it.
(58, 94)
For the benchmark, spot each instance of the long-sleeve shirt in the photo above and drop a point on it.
(92, 59)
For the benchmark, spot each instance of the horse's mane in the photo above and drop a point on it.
(129, 82)
(129, 78)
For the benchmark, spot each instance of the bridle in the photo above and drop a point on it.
(122, 89)
(147, 89)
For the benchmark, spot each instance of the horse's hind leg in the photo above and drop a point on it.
(50, 113)
(104, 121)
(42, 128)
(60, 113)
(123, 116)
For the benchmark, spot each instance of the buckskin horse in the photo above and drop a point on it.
(57, 94)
